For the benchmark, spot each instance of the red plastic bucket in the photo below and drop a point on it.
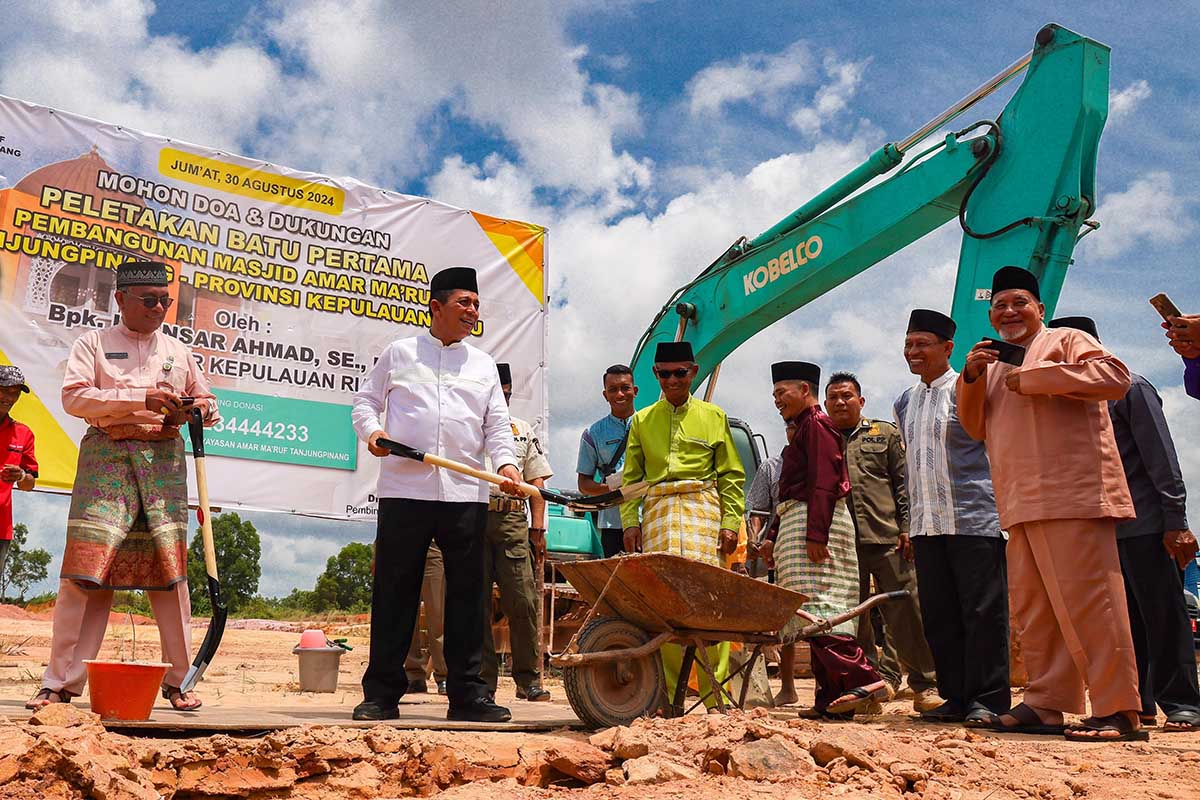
(123, 689)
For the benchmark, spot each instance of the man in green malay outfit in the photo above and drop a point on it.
(683, 446)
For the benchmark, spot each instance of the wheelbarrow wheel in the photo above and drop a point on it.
(619, 691)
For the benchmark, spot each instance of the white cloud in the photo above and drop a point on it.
(773, 82)
(98, 59)
(1124, 102)
(762, 76)
(373, 76)
(353, 87)
(1148, 212)
(832, 98)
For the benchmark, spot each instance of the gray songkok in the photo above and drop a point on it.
(142, 273)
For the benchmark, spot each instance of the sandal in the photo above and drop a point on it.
(859, 696)
(981, 717)
(1182, 722)
(42, 698)
(174, 696)
(1028, 722)
(1117, 722)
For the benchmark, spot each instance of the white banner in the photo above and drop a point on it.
(287, 285)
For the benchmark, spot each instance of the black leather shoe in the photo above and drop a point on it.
(948, 711)
(375, 710)
(417, 687)
(534, 694)
(441, 687)
(479, 710)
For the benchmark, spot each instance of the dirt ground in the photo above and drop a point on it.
(758, 754)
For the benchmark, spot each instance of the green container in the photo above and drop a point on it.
(568, 533)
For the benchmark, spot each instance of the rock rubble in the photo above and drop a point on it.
(64, 752)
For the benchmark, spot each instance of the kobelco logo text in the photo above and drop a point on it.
(782, 264)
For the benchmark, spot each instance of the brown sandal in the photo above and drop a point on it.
(44, 694)
(172, 694)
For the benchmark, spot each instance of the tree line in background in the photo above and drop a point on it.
(344, 586)
(24, 567)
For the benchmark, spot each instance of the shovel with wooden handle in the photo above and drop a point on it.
(216, 626)
(594, 503)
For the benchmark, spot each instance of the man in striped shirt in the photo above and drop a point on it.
(955, 531)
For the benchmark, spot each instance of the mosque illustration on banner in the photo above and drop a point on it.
(31, 284)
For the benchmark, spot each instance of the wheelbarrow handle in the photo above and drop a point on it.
(817, 627)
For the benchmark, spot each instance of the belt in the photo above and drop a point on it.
(505, 504)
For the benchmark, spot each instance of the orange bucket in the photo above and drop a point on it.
(124, 690)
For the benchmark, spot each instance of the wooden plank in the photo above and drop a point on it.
(527, 717)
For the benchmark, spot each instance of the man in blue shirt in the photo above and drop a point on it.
(602, 452)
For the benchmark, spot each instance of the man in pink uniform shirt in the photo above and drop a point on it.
(127, 527)
(1060, 491)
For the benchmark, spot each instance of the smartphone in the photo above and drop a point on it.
(1009, 353)
(187, 402)
(1163, 305)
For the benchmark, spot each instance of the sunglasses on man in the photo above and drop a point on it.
(150, 301)
(678, 372)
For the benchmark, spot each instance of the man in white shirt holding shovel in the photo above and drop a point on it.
(442, 396)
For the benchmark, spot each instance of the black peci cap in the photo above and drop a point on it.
(455, 278)
(924, 320)
(1085, 324)
(795, 371)
(667, 352)
(1015, 278)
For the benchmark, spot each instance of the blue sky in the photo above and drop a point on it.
(647, 137)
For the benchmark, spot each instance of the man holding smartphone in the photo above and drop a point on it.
(1060, 492)
(1183, 332)
(127, 527)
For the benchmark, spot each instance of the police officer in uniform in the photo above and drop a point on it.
(508, 562)
(879, 505)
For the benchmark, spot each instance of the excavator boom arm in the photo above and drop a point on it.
(1022, 188)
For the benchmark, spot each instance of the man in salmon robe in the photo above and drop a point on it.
(1060, 491)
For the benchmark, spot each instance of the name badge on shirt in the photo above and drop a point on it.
(116, 356)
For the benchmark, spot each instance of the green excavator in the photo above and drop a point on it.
(1022, 188)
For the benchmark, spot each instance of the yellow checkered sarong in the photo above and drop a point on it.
(683, 518)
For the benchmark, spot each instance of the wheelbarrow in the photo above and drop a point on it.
(612, 668)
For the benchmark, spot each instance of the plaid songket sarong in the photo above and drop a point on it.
(127, 527)
(832, 586)
(683, 518)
